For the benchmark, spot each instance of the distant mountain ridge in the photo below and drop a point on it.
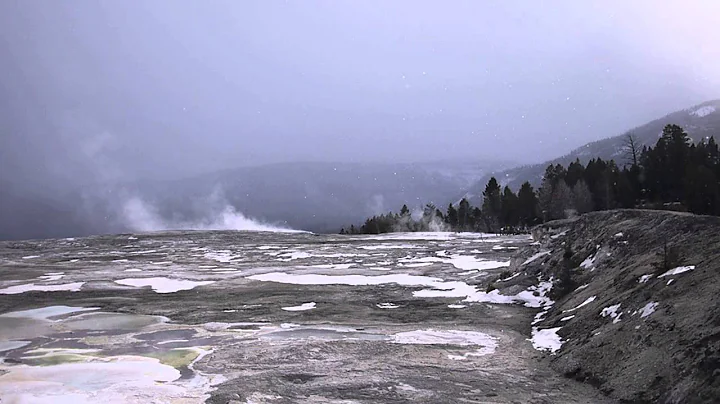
(702, 120)
(315, 196)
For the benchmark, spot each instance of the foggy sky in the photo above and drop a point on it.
(115, 90)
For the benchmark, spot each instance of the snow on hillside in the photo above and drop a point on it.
(704, 111)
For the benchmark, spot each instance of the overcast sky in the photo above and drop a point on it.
(125, 89)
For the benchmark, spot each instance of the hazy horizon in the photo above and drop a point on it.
(111, 92)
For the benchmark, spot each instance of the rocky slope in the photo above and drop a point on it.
(639, 332)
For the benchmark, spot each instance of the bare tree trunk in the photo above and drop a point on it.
(631, 148)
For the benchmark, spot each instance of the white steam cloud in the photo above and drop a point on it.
(140, 216)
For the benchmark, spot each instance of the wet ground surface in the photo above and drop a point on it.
(269, 318)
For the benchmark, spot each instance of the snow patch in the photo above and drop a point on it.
(546, 340)
(612, 312)
(648, 309)
(302, 307)
(703, 111)
(585, 303)
(223, 256)
(677, 271)
(52, 276)
(449, 337)
(31, 287)
(535, 296)
(557, 236)
(589, 262)
(295, 255)
(503, 248)
(163, 284)
(387, 306)
(463, 262)
(644, 278)
(536, 256)
(510, 277)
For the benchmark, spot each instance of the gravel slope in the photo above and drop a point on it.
(638, 333)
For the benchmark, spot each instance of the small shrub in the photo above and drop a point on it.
(670, 257)
(565, 283)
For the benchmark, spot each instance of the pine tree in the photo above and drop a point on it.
(477, 223)
(527, 205)
(463, 214)
(582, 198)
(509, 208)
(545, 193)
(491, 205)
(452, 216)
(625, 191)
(677, 142)
(561, 201)
(702, 194)
(575, 173)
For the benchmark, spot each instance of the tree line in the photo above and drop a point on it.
(675, 174)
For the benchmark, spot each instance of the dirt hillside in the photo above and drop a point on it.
(637, 302)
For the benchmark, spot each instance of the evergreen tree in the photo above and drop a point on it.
(477, 220)
(561, 201)
(575, 173)
(545, 193)
(702, 194)
(452, 216)
(491, 205)
(463, 214)
(509, 208)
(626, 193)
(595, 180)
(582, 198)
(527, 205)
(677, 148)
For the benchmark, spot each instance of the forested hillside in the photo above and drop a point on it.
(674, 174)
(699, 122)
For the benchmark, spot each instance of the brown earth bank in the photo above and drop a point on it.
(637, 300)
